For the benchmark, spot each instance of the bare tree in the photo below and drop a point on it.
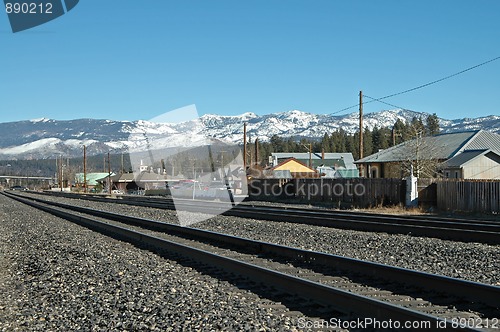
(422, 153)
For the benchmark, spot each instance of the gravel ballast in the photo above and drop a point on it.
(55, 275)
(471, 261)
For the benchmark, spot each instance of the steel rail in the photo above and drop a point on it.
(476, 231)
(486, 225)
(168, 203)
(343, 301)
(469, 290)
(288, 206)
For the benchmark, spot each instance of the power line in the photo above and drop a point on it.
(439, 80)
(420, 86)
(347, 108)
(383, 102)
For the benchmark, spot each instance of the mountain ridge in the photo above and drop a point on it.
(46, 138)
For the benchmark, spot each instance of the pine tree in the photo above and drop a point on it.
(353, 145)
(343, 139)
(385, 138)
(380, 138)
(325, 143)
(367, 142)
(417, 127)
(432, 125)
(399, 130)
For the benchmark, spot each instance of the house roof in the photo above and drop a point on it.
(330, 158)
(125, 177)
(442, 146)
(92, 178)
(330, 162)
(483, 140)
(348, 173)
(292, 160)
(151, 177)
(466, 157)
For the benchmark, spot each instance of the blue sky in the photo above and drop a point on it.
(128, 60)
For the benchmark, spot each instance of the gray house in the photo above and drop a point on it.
(427, 154)
(473, 164)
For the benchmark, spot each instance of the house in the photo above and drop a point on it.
(291, 168)
(93, 179)
(473, 164)
(124, 182)
(332, 165)
(129, 182)
(425, 154)
(317, 159)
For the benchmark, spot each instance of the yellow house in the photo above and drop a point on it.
(296, 168)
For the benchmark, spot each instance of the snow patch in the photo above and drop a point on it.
(45, 143)
(40, 120)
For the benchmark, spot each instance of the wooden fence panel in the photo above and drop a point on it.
(358, 192)
(469, 195)
(427, 191)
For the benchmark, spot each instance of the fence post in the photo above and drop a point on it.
(411, 190)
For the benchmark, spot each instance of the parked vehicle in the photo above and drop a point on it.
(22, 188)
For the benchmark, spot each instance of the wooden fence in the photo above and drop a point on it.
(469, 195)
(446, 194)
(427, 191)
(358, 192)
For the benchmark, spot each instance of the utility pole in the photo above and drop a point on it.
(211, 158)
(164, 168)
(84, 169)
(61, 172)
(361, 129)
(57, 172)
(256, 151)
(222, 161)
(122, 169)
(309, 148)
(109, 174)
(245, 146)
(360, 124)
(310, 156)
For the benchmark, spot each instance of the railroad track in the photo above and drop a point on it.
(482, 231)
(358, 289)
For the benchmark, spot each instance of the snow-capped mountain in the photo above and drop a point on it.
(46, 138)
